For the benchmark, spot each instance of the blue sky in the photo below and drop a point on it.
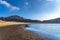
(31, 9)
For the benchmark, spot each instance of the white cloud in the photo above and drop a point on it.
(27, 3)
(54, 0)
(9, 5)
(50, 0)
(57, 0)
(54, 14)
(15, 8)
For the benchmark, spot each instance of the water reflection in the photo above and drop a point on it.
(46, 30)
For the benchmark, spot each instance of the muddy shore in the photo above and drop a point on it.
(15, 32)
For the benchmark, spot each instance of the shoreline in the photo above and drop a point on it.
(15, 32)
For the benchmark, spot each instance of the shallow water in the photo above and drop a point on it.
(46, 30)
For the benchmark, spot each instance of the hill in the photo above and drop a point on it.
(17, 18)
(57, 20)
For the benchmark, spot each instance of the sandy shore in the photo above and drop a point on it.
(15, 32)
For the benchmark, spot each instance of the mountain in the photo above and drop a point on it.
(17, 18)
(57, 20)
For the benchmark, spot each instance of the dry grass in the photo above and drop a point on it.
(5, 23)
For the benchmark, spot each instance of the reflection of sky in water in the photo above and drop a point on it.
(47, 30)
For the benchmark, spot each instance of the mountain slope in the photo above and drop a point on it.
(57, 20)
(17, 18)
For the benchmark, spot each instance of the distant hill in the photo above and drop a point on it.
(57, 20)
(17, 18)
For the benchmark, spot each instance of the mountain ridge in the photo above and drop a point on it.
(17, 18)
(56, 20)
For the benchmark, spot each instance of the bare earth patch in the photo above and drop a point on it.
(17, 33)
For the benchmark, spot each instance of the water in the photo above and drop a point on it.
(46, 30)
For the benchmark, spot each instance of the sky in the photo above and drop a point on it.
(31, 9)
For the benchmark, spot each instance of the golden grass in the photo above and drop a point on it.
(5, 23)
